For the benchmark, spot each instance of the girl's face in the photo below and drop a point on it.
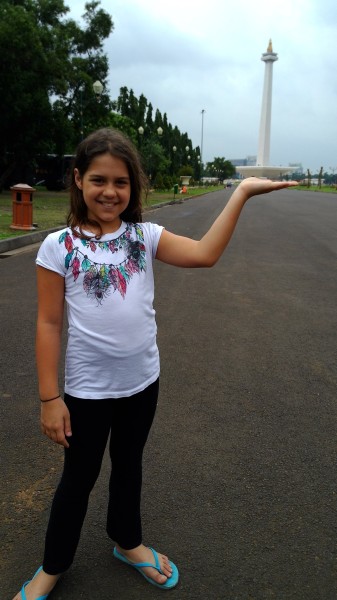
(106, 190)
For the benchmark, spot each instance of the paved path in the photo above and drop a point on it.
(240, 480)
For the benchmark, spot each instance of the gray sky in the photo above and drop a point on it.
(187, 56)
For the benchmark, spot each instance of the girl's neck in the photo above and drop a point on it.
(105, 229)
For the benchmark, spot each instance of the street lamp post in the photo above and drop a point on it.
(199, 167)
(187, 149)
(159, 133)
(97, 89)
(202, 136)
(174, 149)
(141, 132)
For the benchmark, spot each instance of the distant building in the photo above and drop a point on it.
(243, 162)
(312, 181)
(238, 162)
(209, 180)
(296, 168)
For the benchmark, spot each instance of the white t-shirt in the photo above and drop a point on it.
(109, 289)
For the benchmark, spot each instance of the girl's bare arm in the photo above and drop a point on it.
(55, 420)
(185, 252)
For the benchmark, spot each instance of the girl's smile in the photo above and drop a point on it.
(106, 190)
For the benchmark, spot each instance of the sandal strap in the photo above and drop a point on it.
(23, 591)
(140, 565)
(155, 556)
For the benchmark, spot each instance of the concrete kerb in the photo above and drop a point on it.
(14, 243)
(10, 244)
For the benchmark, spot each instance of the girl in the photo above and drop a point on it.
(101, 266)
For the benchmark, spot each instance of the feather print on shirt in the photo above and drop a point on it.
(100, 278)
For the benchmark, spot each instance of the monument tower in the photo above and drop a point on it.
(262, 168)
(269, 58)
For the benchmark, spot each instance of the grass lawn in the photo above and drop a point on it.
(50, 208)
(331, 189)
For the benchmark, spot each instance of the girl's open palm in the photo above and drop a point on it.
(253, 186)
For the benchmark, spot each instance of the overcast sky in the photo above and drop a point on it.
(185, 56)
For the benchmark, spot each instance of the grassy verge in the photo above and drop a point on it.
(50, 208)
(314, 188)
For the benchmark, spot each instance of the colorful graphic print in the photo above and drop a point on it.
(100, 278)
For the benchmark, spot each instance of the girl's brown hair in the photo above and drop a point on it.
(117, 144)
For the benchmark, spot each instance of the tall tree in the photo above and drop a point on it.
(142, 107)
(157, 151)
(48, 66)
(149, 116)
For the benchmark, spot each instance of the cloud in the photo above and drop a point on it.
(187, 57)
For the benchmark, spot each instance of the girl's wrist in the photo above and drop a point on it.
(241, 194)
(43, 400)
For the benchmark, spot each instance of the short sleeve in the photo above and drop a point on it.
(50, 254)
(153, 233)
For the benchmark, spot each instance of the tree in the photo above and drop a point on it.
(124, 124)
(149, 116)
(157, 151)
(308, 178)
(49, 64)
(154, 158)
(220, 168)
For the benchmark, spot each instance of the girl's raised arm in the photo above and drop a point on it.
(185, 252)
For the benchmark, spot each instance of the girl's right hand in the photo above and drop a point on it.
(55, 421)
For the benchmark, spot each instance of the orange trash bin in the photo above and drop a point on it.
(22, 204)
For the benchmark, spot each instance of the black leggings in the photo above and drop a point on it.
(129, 420)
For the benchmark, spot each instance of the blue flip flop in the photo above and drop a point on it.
(23, 593)
(170, 582)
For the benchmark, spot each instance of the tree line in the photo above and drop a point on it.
(48, 103)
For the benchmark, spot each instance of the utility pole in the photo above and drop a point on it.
(202, 138)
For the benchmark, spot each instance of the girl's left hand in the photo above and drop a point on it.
(253, 186)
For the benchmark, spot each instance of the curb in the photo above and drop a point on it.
(9, 244)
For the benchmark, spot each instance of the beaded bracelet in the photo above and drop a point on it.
(50, 399)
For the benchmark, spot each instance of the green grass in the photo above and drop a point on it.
(314, 188)
(50, 208)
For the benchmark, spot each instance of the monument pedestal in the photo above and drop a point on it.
(260, 171)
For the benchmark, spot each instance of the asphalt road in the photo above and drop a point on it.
(240, 482)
